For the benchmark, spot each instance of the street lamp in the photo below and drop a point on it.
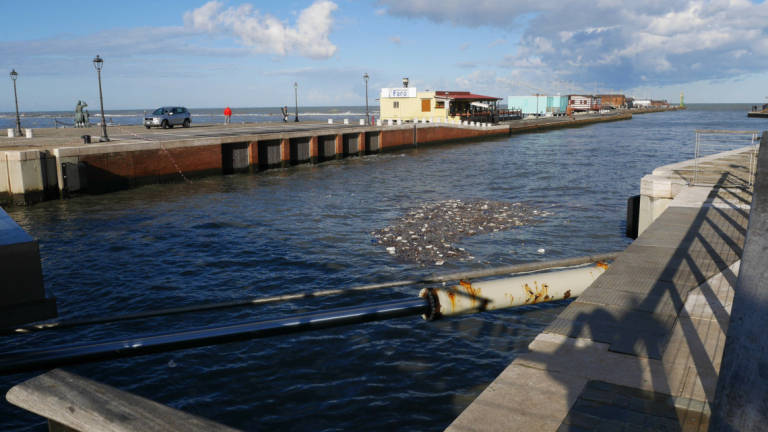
(98, 63)
(296, 93)
(15, 75)
(367, 117)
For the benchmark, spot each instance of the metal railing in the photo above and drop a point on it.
(711, 142)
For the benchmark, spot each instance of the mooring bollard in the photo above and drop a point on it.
(86, 139)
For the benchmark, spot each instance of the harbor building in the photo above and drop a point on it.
(583, 103)
(613, 100)
(407, 104)
(538, 104)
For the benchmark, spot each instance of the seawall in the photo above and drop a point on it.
(55, 165)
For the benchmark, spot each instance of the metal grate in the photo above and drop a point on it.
(725, 158)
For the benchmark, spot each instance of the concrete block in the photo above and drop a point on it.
(28, 132)
(389, 122)
(21, 274)
(330, 121)
(362, 122)
(11, 133)
(378, 122)
(657, 186)
(25, 173)
(399, 122)
(346, 121)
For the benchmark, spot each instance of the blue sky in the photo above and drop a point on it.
(249, 53)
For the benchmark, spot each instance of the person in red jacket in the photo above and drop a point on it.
(227, 115)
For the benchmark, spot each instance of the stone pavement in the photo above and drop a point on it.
(641, 348)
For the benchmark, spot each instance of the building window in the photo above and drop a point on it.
(396, 105)
(439, 105)
(426, 105)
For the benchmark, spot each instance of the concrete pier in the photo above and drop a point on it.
(641, 348)
(57, 164)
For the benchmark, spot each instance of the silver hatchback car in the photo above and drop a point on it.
(168, 117)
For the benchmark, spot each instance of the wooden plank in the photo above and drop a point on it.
(85, 405)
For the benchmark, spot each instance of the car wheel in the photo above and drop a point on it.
(170, 125)
(147, 126)
(186, 123)
(164, 124)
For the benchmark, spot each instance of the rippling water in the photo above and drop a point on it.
(308, 227)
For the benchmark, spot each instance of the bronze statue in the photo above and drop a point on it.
(81, 115)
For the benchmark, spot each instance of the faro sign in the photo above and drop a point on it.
(409, 92)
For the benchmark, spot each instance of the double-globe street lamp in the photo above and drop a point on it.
(296, 94)
(98, 63)
(15, 75)
(367, 116)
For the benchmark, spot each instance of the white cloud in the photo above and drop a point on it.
(619, 43)
(264, 33)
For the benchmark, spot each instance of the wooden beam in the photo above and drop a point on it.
(78, 403)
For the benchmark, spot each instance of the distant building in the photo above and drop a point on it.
(583, 103)
(538, 104)
(641, 103)
(613, 100)
(408, 104)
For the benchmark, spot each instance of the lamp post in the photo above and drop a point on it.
(98, 63)
(367, 116)
(296, 94)
(15, 75)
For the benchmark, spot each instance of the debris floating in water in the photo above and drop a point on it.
(426, 234)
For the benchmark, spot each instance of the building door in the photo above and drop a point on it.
(426, 105)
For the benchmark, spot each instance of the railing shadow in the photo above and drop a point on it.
(643, 332)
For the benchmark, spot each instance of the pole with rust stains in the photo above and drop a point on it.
(508, 292)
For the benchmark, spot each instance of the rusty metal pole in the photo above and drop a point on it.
(509, 292)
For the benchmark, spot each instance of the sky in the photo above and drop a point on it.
(250, 53)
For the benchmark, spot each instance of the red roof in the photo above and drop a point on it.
(462, 95)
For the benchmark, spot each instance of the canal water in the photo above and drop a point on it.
(309, 228)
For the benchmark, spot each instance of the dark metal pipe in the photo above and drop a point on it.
(30, 360)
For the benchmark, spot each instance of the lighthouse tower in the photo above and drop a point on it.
(682, 104)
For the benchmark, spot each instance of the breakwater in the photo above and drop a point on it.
(54, 165)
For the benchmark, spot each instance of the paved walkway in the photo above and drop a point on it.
(49, 138)
(641, 348)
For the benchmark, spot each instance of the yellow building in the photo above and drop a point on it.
(409, 105)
